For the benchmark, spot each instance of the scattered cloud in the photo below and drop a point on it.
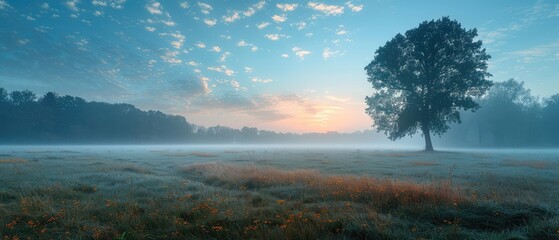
(184, 5)
(72, 5)
(263, 25)
(274, 36)
(327, 9)
(43, 6)
(179, 40)
(224, 56)
(255, 7)
(171, 57)
(259, 80)
(210, 22)
(193, 63)
(341, 32)
(169, 23)
(98, 13)
(216, 49)
(249, 69)
(300, 52)
(327, 53)
(222, 69)
(285, 55)
(154, 8)
(286, 7)
(354, 8)
(4, 5)
(205, 8)
(200, 45)
(117, 4)
(150, 29)
(279, 19)
(233, 17)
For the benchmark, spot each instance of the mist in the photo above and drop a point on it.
(437, 120)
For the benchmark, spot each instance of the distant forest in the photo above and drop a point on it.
(53, 119)
(510, 116)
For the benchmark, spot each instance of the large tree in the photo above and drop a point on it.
(422, 79)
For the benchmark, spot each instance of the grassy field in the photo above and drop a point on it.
(233, 192)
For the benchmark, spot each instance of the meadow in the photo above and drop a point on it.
(276, 192)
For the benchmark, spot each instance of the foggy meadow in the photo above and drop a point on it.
(271, 120)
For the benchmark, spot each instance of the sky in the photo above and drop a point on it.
(290, 66)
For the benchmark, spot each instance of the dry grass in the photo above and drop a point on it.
(381, 192)
(534, 164)
(13, 160)
(203, 154)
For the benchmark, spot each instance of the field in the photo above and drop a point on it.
(276, 192)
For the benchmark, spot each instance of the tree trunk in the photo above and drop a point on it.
(428, 143)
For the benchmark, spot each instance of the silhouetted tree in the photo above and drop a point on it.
(425, 77)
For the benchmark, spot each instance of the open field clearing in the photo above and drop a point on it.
(276, 192)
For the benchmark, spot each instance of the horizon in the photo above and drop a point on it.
(278, 66)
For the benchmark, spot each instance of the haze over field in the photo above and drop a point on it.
(262, 119)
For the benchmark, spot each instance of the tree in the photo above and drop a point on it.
(425, 77)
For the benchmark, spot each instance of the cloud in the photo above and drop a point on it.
(274, 36)
(117, 4)
(4, 5)
(184, 5)
(72, 5)
(327, 53)
(98, 13)
(341, 32)
(224, 56)
(255, 7)
(300, 52)
(263, 25)
(242, 43)
(301, 25)
(179, 40)
(210, 22)
(193, 63)
(154, 8)
(200, 45)
(43, 6)
(540, 53)
(254, 48)
(259, 80)
(222, 69)
(327, 9)
(150, 29)
(285, 55)
(236, 15)
(286, 7)
(232, 18)
(169, 23)
(249, 69)
(216, 49)
(171, 57)
(354, 8)
(205, 8)
(279, 19)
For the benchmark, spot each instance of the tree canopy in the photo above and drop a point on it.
(424, 78)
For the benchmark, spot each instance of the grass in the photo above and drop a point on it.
(184, 199)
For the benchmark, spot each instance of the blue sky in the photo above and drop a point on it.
(292, 66)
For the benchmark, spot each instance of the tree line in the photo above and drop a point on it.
(510, 116)
(28, 119)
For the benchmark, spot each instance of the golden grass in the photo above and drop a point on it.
(355, 188)
(203, 154)
(13, 160)
(535, 164)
